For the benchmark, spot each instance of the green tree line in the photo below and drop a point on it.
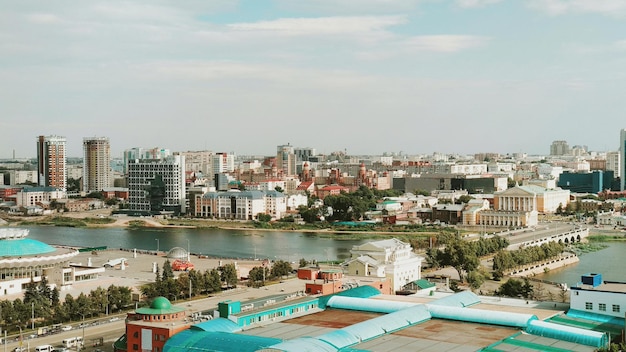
(463, 255)
(259, 274)
(505, 260)
(192, 282)
(44, 304)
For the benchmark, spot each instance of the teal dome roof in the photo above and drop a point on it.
(20, 247)
(161, 303)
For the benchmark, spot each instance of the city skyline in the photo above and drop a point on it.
(370, 76)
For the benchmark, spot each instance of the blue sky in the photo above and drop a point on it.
(366, 76)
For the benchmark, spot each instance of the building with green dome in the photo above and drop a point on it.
(148, 328)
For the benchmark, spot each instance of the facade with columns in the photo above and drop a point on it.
(514, 207)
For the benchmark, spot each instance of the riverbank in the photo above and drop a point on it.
(102, 218)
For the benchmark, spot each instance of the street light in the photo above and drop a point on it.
(79, 346)
(21, 338)
(157, 245)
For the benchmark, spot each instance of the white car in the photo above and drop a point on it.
(66, 328)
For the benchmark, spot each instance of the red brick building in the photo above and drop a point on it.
(147, 329)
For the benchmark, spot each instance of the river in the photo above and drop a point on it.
(610, 262)
(290, 246)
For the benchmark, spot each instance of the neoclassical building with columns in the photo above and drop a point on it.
(519, 206)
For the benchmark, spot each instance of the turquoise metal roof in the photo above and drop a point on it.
(492, 317)
(367, 305)
(361, 291)
(215, 341)
(303, 344)
(23, 247)
(568, 333)
(601, 318)
(423, 283)
(460, 299)
(217, 324)
(373, 328)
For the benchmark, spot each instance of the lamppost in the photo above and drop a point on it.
(157, 245)
(21, 338)
(79, 346)
(32, 321)
(188, 254)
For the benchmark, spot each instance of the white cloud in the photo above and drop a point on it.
(352, 6)
(43, 18)
(475, 3)
(445, 43)
(323, 25)
(613, 8)
(620, 45)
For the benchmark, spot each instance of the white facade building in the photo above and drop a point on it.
(468, 169)
(391, 258)
(223, 163)
(38, 195)
(593, 295)
(240, 205)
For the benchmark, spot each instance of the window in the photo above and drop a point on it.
(602, 307)
(588, 305)
(135, 347)
(616, 308)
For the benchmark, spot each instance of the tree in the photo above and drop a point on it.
(459, 255)
(309, 215)
(475, 279)
(281, 268)
(464, 199)
(228, 275)
(263, 217)
(279, 189)
(303, 263)
(168, 273)
(257, 276)
(212, 281)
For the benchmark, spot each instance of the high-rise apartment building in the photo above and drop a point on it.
(286, 159)
(198, 161)
(51, 162)
(622, 158)
(157, 186)
(612, 163)
(223, 162)
(96, 164)
(559, 148)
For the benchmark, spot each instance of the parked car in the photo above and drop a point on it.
(66, 328)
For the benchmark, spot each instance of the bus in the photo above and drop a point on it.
(44, 348)
(72, 342)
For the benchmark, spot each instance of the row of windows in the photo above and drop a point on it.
(602, 307)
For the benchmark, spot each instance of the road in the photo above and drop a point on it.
(109, 331)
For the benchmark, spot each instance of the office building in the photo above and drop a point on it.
(144, 153)
(157, 186)
(51, 162)
(96, 164)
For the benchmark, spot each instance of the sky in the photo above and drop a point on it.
(361, 76)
